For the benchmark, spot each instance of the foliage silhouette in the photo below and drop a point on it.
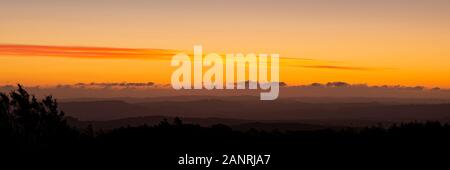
(28, 125)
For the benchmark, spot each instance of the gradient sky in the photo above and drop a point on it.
(404, 42)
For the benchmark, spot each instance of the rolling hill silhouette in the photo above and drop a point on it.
(37, 130)
(278, 111)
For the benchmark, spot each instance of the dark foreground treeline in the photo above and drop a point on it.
(38, 130)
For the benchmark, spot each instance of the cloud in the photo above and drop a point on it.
(103, 52)
(340, 67)
(98, 52)
(116, 84)
(247, 83)
(299, 58)
(138, 53)
(337, 84)
(85, 52)
(324, 64)
(363, 85)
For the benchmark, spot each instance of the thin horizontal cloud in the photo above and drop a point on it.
(320, 64)
(340, 67)
(119, 84)
(299, 58)
(129, 53)
(85, 52)
(98, 52)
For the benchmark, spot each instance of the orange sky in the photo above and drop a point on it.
(369, 41)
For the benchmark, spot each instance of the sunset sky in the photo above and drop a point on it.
(49, 42)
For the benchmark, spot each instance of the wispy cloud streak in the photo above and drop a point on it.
(135, 53)
(85, 52)
(340, 67)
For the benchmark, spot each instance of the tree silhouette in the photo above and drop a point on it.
(31, 122)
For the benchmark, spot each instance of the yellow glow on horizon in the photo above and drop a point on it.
(53, 71)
